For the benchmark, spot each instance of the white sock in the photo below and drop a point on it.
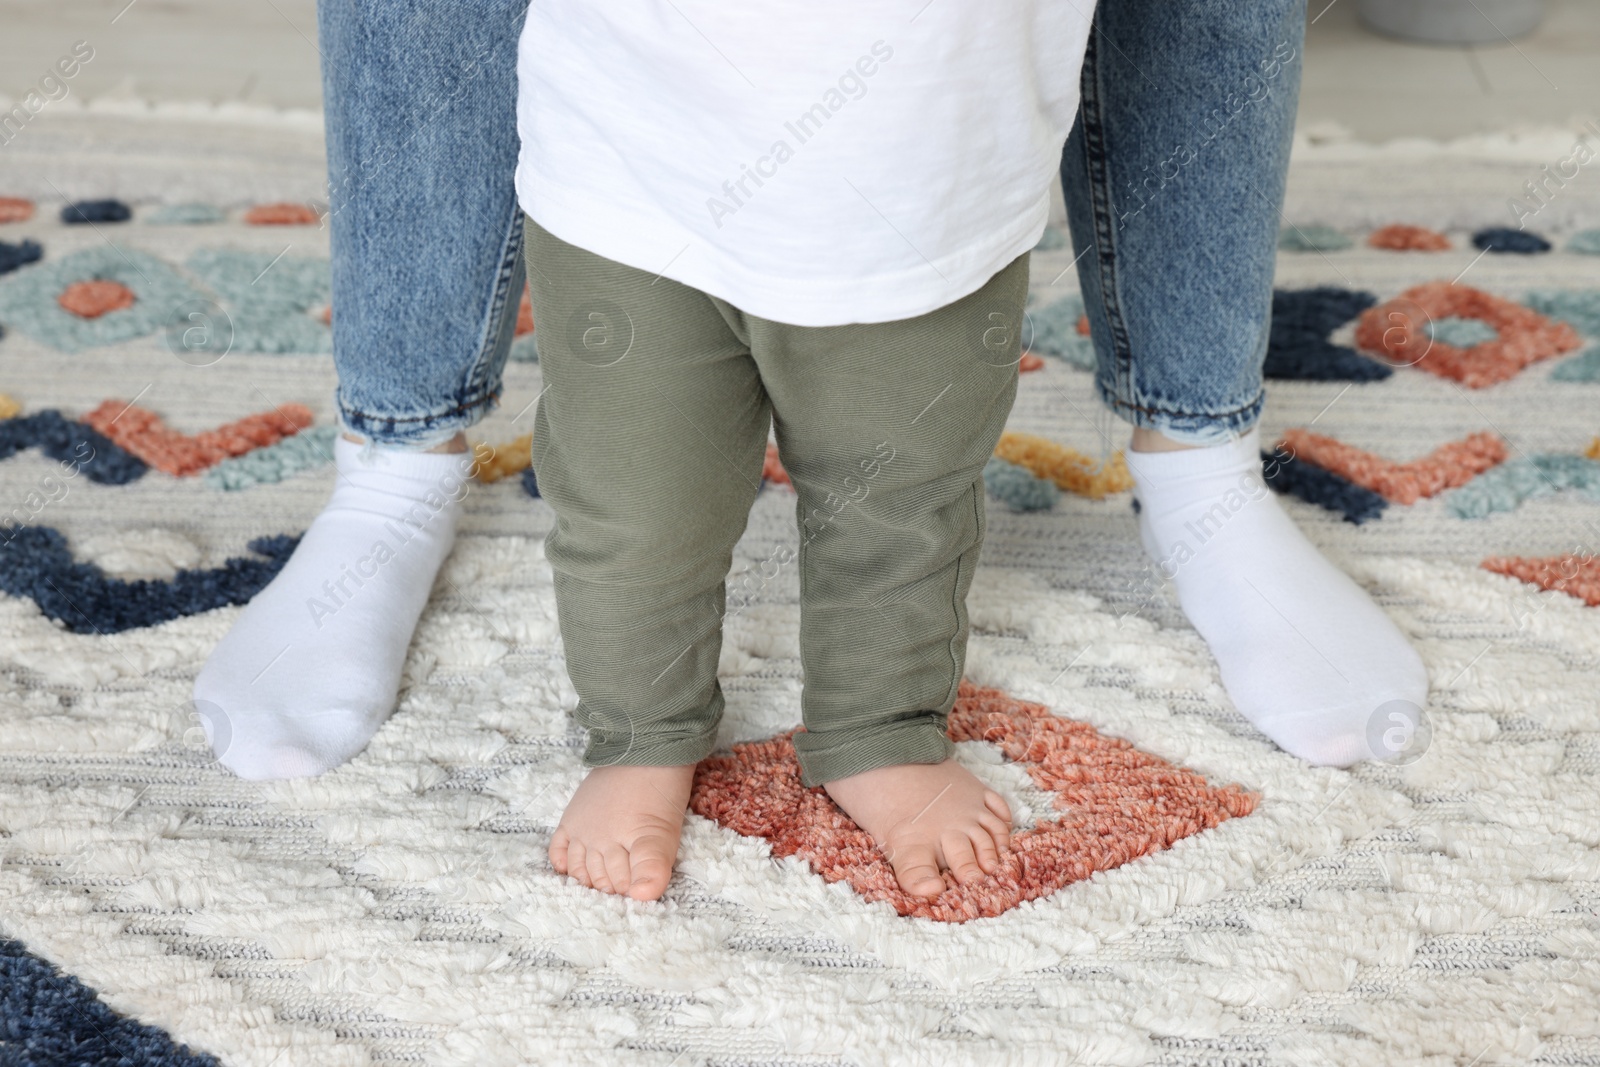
(1305, 653)
(312, 666)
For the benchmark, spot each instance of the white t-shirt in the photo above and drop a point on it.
(815, 163)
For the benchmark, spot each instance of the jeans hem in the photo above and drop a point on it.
(418, 432)
(1186, 427)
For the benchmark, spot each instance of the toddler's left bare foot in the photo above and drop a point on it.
(927, 816)
(620, 831)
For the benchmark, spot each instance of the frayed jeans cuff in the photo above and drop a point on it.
(416, 433)
(1186, 428)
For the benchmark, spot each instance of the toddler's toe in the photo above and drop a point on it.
(650, 865)
(961, 857)
(559, 842)
(577, 863)
(619, 876)
(595, 861)
(996, 818)
(917, 868)
(987, 848)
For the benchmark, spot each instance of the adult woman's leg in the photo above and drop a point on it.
(1174, 178)
(420, 100)
(427, 274)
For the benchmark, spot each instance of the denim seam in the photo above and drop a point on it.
(1099, 182)
(494, 320)
(477, 393)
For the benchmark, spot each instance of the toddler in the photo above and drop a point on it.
(749, 218)
(810, 219)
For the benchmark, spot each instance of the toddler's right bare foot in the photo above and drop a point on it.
(927, 816)
(620, 831)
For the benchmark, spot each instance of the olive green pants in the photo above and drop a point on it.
(648, 445)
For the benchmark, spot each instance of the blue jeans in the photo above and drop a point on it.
(1173, 175)
(420, 106)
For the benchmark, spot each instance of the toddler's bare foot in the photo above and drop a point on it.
(620, 831)
(926, 816)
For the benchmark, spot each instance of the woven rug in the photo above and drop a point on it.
(1183, 893)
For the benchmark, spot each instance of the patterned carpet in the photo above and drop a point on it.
(1187, 894)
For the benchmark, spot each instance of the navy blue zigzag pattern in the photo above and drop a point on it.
(50, 1019)
(37, 563)
(1314, 485)
(72, 443)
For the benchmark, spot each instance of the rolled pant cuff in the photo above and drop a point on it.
(420, 432)
(673, 750)
(827, 757)
(1186, 427)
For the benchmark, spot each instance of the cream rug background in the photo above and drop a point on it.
(402, 909)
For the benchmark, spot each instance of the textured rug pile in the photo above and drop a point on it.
(1182, 892)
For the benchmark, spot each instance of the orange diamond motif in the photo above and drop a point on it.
(1115, 804)
(1398, 329)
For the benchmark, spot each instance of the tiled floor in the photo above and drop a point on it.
(1381, 89)
(1376, 89)
(260, 51)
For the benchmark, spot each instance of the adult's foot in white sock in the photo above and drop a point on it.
(311, 668)
(1304, 652)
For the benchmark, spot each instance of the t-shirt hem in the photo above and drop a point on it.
(648, 242)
